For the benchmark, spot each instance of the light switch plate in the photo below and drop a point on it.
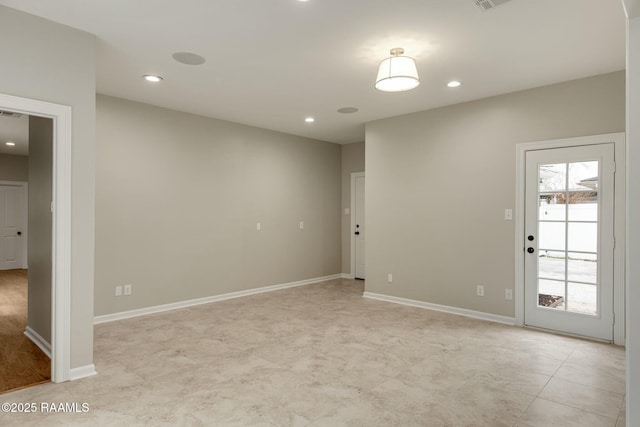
(508, 294)
(508, 214)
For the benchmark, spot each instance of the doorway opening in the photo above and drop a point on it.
(59, 204)
(26, 156)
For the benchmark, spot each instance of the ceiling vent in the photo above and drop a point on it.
(485, 5)
(10, 115)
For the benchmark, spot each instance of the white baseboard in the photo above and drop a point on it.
(37, 339)
(443, 308)
(82, 372)
(347, 276)
(206, 300)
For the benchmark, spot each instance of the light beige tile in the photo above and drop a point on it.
(593, 375)
(367, 414)
(323, 355)
(583, 397)
(601, 356)
(622, 414)
(545, 413)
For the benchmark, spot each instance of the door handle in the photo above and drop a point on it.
(530, 250)
(530, 238)
(19, 233)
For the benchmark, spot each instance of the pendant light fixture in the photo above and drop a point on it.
(397, 73)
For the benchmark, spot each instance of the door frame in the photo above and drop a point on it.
(25, 209)
(354, 175)
(61, 225)
(619, 222)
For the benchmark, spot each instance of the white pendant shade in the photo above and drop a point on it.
(397, 73)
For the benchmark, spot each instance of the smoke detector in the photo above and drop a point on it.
(10, 114)
(485, 5)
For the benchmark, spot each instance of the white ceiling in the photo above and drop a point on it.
(271, 63)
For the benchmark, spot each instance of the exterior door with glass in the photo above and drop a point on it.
(569, 241)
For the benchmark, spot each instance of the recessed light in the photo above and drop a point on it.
(10, 144)
(152, 78)
(347, 110)
(309, 120)
(454, 83)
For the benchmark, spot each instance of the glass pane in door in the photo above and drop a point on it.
(551, 293)
(552, 235)
(552, 177)
(583, 236)
(582, 298)
(568, 232)
(552, 207)
(552, 265)
(582, 267)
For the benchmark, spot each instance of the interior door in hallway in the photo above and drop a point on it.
(12, 221)
(359, 231)
(568, 240)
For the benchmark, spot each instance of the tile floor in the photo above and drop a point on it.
(321, 355)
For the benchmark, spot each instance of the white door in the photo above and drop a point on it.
(359, 228)
(568, 240)
(12, 221)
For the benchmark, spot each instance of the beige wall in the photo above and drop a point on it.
(352, 161)
(13, 168)
(438, 182)
(178, 197)
(50, 62)
(40, 226)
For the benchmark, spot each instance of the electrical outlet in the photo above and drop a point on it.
(258, 226)
(118, 291)
(389, 278)
(127, 289)
(480, 290)
(508, 294)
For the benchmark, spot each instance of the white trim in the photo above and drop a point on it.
(61, 238)
(618, 139)
(37, 339)
(25, 218)
(347, 276)
(354, 175)
(442, 308)
(631, 10)
(206, 300)
(633, 214)
(566, 334)
(82, 372)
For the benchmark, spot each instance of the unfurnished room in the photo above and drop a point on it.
(320, 213)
